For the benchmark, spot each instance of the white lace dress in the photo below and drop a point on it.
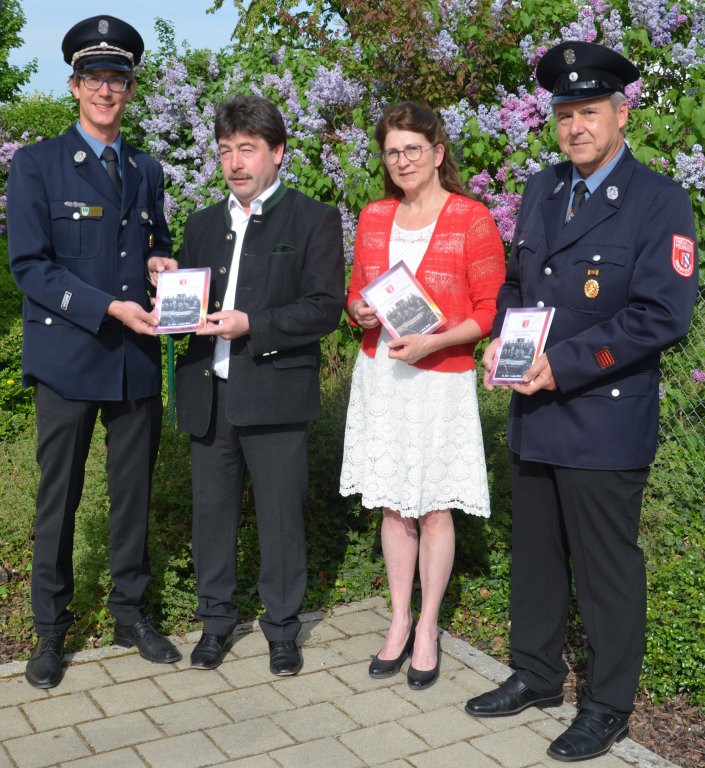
(413, 441)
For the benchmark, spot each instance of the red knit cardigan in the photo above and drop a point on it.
(462, 270)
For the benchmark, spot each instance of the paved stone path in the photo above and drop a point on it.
(115, 710)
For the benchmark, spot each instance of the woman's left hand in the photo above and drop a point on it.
(411, 349)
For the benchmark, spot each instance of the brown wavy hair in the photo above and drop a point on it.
(418, 118)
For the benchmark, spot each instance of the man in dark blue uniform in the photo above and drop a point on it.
(611, 245)
(86, 229)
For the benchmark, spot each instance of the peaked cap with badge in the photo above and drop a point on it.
(576, 70)
(103, 42)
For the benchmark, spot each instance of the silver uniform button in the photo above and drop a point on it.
(615, 392)
(123, 254)
(144, 215)
(216, 304)
(596, 257)
(124, 222)
(539, 304)
(124, 288)
(548, 271)
(222, 270)
(76, 215)
(47, 321)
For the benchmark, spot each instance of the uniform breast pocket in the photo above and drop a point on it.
(599, 279)
(527, 244)
(76, 230)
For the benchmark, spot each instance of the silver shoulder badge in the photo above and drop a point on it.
(80, 156)
(569, 56)
(612, 193)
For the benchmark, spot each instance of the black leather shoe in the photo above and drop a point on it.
(284, 657)
(210, 650)
(418, 679)
(381, 668)
(590, 735)
(44, 667)
(510, 698)
(151, 645)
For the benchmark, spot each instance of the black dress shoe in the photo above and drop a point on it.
(590, 735)
(210, 650)
(381, 668)
(418, 679)
(511, 698)
(151, 645)
(284, 657)
(44, 667)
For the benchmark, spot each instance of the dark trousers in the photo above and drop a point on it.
(276, 458)
(588, 519)
(65, 428)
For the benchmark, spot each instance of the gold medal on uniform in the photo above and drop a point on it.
(591, 288)
(150, 241)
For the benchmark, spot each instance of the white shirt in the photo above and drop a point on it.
(239, 219)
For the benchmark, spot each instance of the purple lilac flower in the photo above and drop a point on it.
(331, 167)
(698, 376)
(349, 230)
(480, 184)
(7, 151)
(531, 51)
(454, 119)
(582, 29)
(453, 10)
(359, 143)
(660, 22)
(444, 49)
(661, 392)
(521, 113)
(612, 31)
(690, 168)
(522, 173)
(633, 93)
(331, 89)
(505, 211)
(489, 120)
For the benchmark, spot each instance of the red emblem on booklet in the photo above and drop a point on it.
(683, 255)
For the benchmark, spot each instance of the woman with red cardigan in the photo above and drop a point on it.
(413, 442)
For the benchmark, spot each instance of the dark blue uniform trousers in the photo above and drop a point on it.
(587, 519)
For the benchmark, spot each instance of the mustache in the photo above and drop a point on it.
(238, 176)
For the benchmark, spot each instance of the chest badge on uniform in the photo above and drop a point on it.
(612, 193)
(558, 187)
(132, 162)
(80, 156)
(591, 288)
(150, 240)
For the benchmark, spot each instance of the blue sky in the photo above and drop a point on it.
(49, 20)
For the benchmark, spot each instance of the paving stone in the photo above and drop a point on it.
(133, 667)
(528, 716)
(382, 743)
(546, 727)
(81, 677)
(120, 731)
(317, 754)
(395, 764)
(250, 644)
(14, 723)
(321, 657)
(48, 748)
(357, 677)
(249, 738)
(376, 707)
(191, 750)
(315, 634)
(376, 603)
(255, 702)
(121, 758)
(472, 683)
(444, 693)
(4, 759)
(48, 714)
(516, 748)
(462, 754)
(314, 722)
(444, 726)
(129, 697)
(187, 716)
(359, 647)
(16, 690)
(310, 689)
(192, 683)
(256, 761)
(360, 623)
(244, 673)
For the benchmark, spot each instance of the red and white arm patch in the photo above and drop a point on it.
(683, 255)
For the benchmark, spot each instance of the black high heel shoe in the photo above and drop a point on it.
(380, 668)
(419, 680)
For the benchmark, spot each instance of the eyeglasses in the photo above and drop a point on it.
(116, 84)
(412, 153)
